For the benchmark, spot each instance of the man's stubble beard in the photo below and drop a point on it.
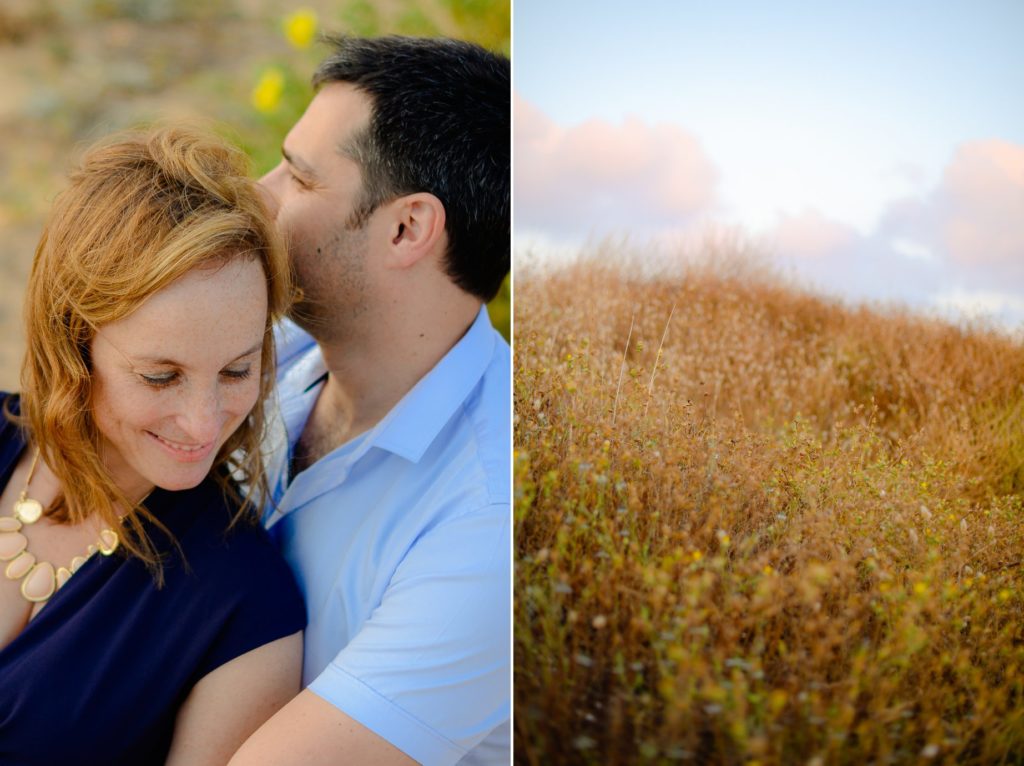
(334, 286)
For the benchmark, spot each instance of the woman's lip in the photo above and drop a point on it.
(195, 454)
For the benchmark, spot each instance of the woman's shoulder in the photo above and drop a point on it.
(207, 526)
(10, 408)
(12, 438)
(233, 573)
(232, 568)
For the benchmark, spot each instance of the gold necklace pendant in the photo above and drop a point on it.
(27, 510)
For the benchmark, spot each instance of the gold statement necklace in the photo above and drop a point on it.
(39, 579)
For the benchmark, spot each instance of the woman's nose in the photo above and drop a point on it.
(201, 416)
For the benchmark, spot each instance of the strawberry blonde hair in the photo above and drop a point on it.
(142, 210)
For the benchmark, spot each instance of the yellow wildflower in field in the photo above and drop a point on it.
(777, 700)
(267, 93)
(697, 555)
(300, 27)
(920, 588)
(1005, 594)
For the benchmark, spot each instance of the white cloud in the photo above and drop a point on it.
(982, 197)
(911, 249)
(809, 234)
(1003, 308)
(598, 177)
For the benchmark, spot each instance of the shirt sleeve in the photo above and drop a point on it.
(430, 670)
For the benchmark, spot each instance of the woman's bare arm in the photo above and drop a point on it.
(233, 701)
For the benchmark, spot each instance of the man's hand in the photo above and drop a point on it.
(309, 731)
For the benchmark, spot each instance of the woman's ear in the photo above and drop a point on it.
(416, 228)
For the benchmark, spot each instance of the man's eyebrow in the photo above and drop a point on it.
(298, 163)
(174, 363)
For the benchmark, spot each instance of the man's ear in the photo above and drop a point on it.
(416, 228)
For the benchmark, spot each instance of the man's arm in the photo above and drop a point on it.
(429, 670)
(310, 731)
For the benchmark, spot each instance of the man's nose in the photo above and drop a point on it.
(267, 185)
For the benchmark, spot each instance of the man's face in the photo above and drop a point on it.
(314, 191)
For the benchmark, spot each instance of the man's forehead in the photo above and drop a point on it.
(341, 108)
(337, 113)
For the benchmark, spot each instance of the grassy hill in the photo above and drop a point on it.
(754, 526)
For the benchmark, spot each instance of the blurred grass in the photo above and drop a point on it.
(754, 526)
(74, 70)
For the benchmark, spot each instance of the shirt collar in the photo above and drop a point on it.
(413, 424)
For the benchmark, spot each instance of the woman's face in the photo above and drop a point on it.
(174, 379)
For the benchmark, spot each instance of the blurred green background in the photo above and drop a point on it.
(72, 71)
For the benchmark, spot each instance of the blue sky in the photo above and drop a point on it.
(871, 145)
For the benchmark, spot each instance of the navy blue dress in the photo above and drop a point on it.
(98, 676)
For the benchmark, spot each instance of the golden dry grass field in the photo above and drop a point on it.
(754, 526)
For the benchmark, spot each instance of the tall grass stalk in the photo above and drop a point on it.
(657, 359)
(622, 368)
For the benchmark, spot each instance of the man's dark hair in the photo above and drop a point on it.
(441, 123)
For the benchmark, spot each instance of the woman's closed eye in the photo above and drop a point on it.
(165, 379)
(161, 380)
(237, 374)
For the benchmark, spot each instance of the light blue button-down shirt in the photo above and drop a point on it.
(400, 540)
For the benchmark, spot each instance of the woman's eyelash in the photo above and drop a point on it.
(159, 381)
(162, 381)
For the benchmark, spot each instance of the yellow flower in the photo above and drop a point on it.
(267, 93)
(920, 588)
(777, 700)
(767, 569)
(697, 555)
(300, 27)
